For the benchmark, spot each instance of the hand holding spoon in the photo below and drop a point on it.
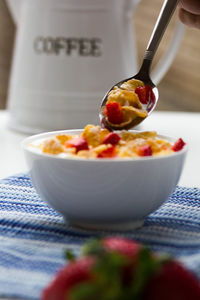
(144, 72)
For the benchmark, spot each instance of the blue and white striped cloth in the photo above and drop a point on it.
(34, 237)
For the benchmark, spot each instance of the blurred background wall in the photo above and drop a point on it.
(7, 33)
(179, 89)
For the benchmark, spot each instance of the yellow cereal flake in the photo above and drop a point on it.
(164, 152)
(63, 138)
(158, 145)
(130, 113)
(69, 150)
(100, 148)
(52, 146)
(125, 152)
(129, 145)
(103, 134)
(128, 136)
(135, 144)
(147, 134)
(92, 134)
(86, 154)
(131, 84)
(124, 98)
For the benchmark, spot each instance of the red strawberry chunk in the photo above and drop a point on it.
(141, 92)
(150, 94)
(72, 274)
(145, 150)
(112, 138)
(79, 143)
(178, 145)
(114, 113)
(145, 94)
(108, 153)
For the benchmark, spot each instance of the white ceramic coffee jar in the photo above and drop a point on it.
(68, 53)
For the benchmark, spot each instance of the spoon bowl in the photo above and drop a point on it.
(149, 107)
(144, 72)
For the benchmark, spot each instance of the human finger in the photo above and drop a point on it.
(189, 19)
(192, 6)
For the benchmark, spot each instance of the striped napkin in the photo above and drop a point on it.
(34, 237)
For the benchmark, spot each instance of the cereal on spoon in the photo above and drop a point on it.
(127, 102)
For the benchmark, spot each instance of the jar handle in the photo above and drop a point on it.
(166, 60)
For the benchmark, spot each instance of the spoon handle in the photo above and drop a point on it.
(164, 17)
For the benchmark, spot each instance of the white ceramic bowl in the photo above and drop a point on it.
(103, 193)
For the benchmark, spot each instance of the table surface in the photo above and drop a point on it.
(177, 124)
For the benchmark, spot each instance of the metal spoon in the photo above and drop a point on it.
(164, 17)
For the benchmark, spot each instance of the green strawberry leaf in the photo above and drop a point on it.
(84, 291)
(106, 283)
(93, 247)
(69, 255)
(147, 266)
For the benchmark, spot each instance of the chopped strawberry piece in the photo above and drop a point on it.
(178, 145)
(79, 143)
(105, 111)
(141, 92)
(145, 150)
(149, 93)
(108, 153)
(145, 94)
(152, 96)
(112, 138)
(114, 113)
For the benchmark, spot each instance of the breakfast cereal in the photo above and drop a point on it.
(127, 102)
(96, 143)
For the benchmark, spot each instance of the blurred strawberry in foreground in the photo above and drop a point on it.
(116, 268)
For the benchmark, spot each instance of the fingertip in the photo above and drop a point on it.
(189, 19)
(192, 6)
(182, 16)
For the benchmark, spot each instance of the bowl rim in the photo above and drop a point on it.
(26, 147)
